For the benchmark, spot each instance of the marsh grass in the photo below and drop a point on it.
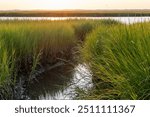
(27, 45)
(76, 13)
(119, 57)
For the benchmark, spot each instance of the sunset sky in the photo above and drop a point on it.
(73, 4)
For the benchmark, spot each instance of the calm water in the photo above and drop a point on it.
(122, 19)
(60, 83)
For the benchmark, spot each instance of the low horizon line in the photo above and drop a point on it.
(72, 9)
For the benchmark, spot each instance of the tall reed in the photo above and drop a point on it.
(119, 57)
(27, 45)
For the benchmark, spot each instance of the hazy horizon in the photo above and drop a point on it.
(68, 9)
(73, 4)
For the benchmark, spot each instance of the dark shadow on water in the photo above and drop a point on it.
(60, 83)
(51, 85)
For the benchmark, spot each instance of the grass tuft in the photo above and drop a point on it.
(119, 57)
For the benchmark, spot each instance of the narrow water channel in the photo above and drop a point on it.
(60, 83)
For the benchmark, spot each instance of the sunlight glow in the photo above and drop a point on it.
(74, 4)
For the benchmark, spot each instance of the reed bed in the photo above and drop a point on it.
(26, 44)
(119, 58)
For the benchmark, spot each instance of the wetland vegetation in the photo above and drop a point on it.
(118, 55)
(76, 13)
(27, 46)
(119, 58)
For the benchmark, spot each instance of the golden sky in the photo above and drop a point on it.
(73, 4)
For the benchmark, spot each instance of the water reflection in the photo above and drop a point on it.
(127, 20)
(60, 83)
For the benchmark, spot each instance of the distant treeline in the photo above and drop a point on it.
(75, 13)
